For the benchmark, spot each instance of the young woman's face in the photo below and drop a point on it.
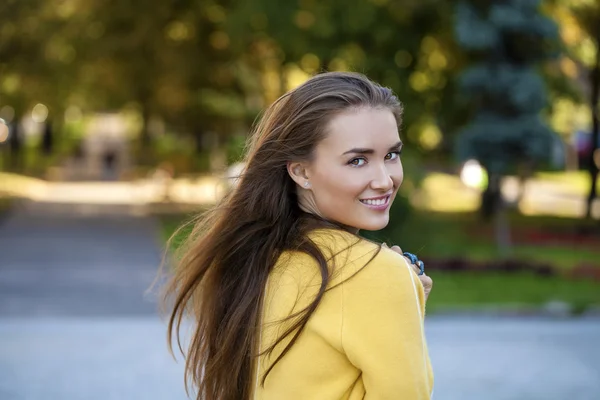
(356, 171)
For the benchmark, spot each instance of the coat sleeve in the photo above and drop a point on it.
(382, 329)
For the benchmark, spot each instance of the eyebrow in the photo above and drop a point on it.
(397, 146)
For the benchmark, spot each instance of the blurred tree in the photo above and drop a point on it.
(508, 40)
(173, 61)
(17, 49)
(120, 45)
(217, 97)
(407, 46)
(38, 60)
(206, 68)
(588, 16)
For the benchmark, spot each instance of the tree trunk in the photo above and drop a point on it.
(15, 144)
(145, 134)
(145, 153)
(502, 230)
(494, 206)
(592, 166)
(200, 140)
(47, 146)
(525, 173)
(490, 198)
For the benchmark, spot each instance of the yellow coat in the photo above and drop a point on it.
(364, 341)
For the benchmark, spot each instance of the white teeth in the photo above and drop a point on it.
(378, 202)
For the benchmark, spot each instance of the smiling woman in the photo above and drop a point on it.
(288, 301)
(354, 187)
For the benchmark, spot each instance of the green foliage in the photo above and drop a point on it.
(176, 229)
(204, 66)
(507, 40)
(520, 89)
(392, 42)
(235, 148)
(500, 143)
(588, 15)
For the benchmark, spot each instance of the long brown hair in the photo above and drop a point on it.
(221, 274)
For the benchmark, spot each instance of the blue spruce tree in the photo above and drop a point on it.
(507, 41)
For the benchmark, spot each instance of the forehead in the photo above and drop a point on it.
(365, 127)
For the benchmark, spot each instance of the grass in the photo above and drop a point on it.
(473, 290)
(170, 224)
(442, 235)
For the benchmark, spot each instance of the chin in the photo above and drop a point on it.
(374, 225)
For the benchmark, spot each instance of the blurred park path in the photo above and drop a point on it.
(526, 358)
(75, 322)
(560, 195)
(60, 264)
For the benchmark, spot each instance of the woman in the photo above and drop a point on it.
(288, 301)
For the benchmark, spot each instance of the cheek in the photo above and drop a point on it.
(397, 174)
(340, 185)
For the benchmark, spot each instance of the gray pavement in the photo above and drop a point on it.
(125, 358)
(76, 321)
(82, 358)
(77, 265)
(515, 358)
(75, 324)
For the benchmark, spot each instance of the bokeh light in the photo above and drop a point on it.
(39, 113)
(430, 137)
(7, 113)
(473, 174)
(3, 131)
(73, 114)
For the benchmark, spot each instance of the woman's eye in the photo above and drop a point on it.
(357, 162)
(393, 155)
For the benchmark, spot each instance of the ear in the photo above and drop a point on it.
(298, 172)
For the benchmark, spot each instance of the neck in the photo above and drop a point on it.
(317, 216)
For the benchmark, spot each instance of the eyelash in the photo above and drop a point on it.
(351, 162)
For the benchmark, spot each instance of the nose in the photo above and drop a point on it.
(382, 179)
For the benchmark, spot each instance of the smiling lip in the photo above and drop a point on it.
(379, 206)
